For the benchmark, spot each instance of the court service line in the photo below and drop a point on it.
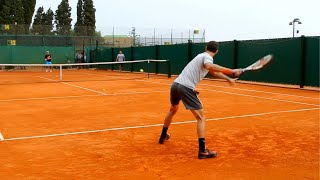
(273, 99)
(74, 85)
(154, 125)
(266, 92)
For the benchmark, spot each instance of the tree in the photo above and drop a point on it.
(28, 7)
(78, 27)
(63, 18)
(47, 22)
(12, 13)
(1, 11)
(38, 21)
(89, 17)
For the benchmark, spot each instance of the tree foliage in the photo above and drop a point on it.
(47, 22)
(38, 21)
(28, 7)
(63, 18)
(11, 12)
(89, 17)
(79, 26)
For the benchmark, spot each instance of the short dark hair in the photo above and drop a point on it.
(212, 46)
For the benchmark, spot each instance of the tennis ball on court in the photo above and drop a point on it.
(141, 70)
(103, 89)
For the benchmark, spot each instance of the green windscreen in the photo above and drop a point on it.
(35, 55)
(285, 67)
(312, 61)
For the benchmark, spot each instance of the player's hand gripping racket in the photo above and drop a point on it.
(259, 64)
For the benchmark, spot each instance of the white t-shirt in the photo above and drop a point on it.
(120, 57)
(195, 71)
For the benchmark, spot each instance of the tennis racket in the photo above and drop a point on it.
(259, 64)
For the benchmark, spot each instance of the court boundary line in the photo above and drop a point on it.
(273, 99)
(154, 125)
(246, 95)
(93, 95)
(266, 92)
(46, 98)
(1, 137)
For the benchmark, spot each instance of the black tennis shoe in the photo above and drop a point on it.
(162, 139)
(207, 154)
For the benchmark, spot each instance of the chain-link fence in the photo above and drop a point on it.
(40, 35)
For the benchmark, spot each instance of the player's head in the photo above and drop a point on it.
(120, 52)
(213, 47)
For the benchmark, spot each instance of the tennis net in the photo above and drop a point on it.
(99, 71)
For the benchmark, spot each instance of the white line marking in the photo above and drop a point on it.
(153, 125)
(84, 88)
(46, 98)
(130, 93)
(1, 137)
(266, 92)
(74, 86)
(64, 97)
(273, 99)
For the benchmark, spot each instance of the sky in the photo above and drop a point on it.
(222, 20)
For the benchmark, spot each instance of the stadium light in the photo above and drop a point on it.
(292, 23)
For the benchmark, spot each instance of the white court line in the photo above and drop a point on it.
(154, 125)
(273, 99)
(65, 97)
(266, 92)
(74, 85)
(129, 93)
(46, 98)
(1, 137)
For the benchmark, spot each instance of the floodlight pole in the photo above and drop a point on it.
(296, 20)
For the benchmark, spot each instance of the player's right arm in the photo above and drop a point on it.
(214, 68)
(222, 72)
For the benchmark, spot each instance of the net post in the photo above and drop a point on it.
(82, 58)
(132, 58)
(157, 57)
(148, 67)
(60, 72)
(112, 58)
(169, 68)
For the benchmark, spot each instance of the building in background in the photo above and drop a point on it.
(118, 41)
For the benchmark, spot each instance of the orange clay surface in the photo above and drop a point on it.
(49, 129)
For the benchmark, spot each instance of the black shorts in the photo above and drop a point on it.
(188, 96)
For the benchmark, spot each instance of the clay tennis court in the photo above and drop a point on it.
(108, 128)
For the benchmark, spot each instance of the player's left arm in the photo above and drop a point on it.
(220, 75)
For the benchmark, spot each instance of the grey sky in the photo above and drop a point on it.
(223, 20)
